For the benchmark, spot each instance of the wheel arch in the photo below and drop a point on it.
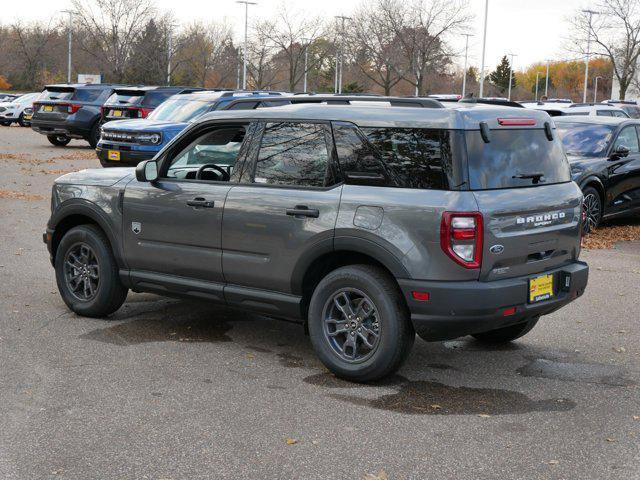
(596, 183)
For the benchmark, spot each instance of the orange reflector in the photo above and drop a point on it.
(508, 311)
(420, 296)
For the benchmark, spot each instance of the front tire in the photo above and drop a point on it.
(87, 273)
(21, 121)
(58, 140)
(94, 135)
(592, 204)
(5, 124)
(507, 334)
(358, 323)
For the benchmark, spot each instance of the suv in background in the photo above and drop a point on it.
(604, 154)
(138, 102)
(13, 110)
(67, 111)
(632, 108)
(127, 142)
(366, 223)
(596, 109)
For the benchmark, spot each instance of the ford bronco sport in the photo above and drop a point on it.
(366, 223)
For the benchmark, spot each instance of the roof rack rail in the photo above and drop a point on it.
(254, 103)
(249, 94)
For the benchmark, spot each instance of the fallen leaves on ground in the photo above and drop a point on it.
(607, 235)
(20, 195)
(553, 462)
(84, 155)
(381, 475)
(291, 441)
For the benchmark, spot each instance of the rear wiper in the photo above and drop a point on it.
(535, 177)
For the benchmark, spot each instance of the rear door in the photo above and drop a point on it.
(286, 204)
(531, 209)
(623, 191)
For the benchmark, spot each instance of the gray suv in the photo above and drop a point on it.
(368, 223)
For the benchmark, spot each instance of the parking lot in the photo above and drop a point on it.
(174, 389)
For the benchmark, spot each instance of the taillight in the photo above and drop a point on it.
(144, 112)
(461, 237)
(72, 108)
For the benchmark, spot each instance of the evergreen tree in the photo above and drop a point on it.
(500, 76)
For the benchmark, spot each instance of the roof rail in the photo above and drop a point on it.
(254, 103)
(232, 92)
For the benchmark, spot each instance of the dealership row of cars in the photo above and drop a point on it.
(129, 124)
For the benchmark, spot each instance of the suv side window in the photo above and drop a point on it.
(416, 157)
(629, 138)
(219, 148)
(292, 154)
(354, 154)
(604, 113)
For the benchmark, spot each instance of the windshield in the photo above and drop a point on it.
(583, 139)
(179, 110)
(515, 158)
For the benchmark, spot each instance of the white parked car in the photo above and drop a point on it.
(13, 111)
(556, 109)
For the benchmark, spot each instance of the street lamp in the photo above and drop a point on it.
(484, 47)
(244, 48)
(338, 85)
(307, 42)
(591, 13)
(169, 53)
(511, 73)
(595, 89)
(537, 80)
(466, 56)
(71, 14)
(546, 84)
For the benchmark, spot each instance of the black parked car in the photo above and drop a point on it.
(138, 102)
(604, 153)
(67, 111)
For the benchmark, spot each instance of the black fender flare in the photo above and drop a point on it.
(81, 206)
(592, 179)
(346, 244)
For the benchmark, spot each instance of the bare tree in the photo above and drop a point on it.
(289, 35)
(372, 45)
(615, 34)
(421, 28)
(112, 27)
(30, 43)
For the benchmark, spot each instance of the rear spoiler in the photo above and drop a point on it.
(254, 103)
(59, 88)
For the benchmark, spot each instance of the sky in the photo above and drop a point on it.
(534, 30)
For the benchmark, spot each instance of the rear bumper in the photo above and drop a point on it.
(66, 128)
(127, 157)
(455, 309)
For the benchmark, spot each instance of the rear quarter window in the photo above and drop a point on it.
(511, 154)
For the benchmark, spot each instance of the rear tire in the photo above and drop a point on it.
(87, 273)
(21, 121)
(508, 334)
(94, 135)
(58, 140)
(376, 339)
(592, 204)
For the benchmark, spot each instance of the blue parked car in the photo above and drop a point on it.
(128, 142)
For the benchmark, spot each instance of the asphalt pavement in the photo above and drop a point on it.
(178, 389)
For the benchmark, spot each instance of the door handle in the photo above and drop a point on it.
(201, 202)
(303, 211)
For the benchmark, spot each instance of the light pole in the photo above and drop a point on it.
(484, 47)
(307, 42)
(595, 89)
(70, 25)
(510, 73)
(591, 13)
(537, 80)
(169, 54)
(338, 86)
(244, 47)
(546, 83)
(466, 56)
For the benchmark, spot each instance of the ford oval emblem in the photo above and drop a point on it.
(497, 249)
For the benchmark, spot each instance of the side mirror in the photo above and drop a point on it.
(621, 151)
(147, 171)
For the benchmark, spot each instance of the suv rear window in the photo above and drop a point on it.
(511, 154)
(86, 94)
(125, 98)
(55, 95)
(154, 98)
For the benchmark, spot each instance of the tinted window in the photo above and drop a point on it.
(218, 147)
(633, 112)
(153, 98)
(583, 139)
(292, 154)
(86, 94)
(126, 98)
(619, 114)
(354, 155)
(416, 157)
(604, 113)
(55, 95)
(628, 138)
(514, 153)
(180, 110)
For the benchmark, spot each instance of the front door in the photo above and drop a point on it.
(172, 227)
(287, 205)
